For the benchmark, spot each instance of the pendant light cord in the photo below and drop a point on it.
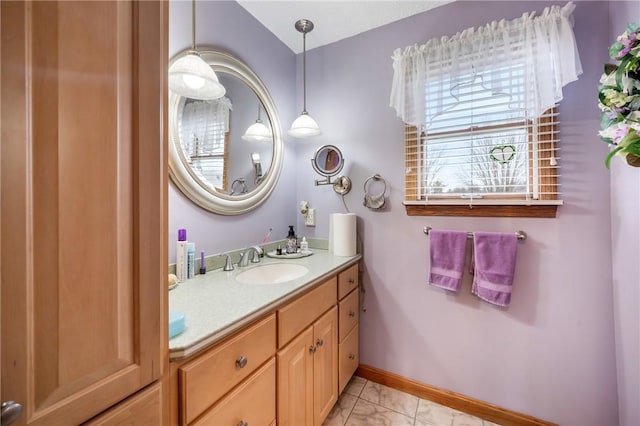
(193, 25)
(304, 73)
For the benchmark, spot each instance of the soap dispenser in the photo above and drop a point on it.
(292, 241)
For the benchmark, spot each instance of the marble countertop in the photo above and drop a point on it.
(215, 304)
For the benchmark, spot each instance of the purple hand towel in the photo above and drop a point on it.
(447, 251)
(495, 263)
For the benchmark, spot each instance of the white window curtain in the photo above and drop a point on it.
(546, 44)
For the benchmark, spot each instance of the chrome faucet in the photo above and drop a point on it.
(252, 253)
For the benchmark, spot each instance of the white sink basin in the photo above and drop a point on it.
(272, 273)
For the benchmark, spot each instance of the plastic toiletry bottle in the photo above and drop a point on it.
(304, 245)
(203, 265)
(292, 241)
(181, 255)
(191, 260)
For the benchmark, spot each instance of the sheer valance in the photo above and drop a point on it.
(427, 78)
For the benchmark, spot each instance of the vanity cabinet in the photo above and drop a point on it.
(284, 366)
(348, 354)
(83, 195)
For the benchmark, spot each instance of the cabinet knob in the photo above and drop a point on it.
(352, 314)
(352, 356)
(241, 362)
(243, 423)
(319, 342)
(352, 280)
(312, 349)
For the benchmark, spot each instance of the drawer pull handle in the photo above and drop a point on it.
(243, 423)
(241, 362)
(352, 356)
(312, 349)
(319, 342)
(352, 314)
(352, 280)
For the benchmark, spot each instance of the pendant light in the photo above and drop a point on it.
(190, 76)
(258, 131)
(304, 126)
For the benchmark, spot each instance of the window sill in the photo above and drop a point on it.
(483, 210)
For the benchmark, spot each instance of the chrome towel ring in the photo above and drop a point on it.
(374, 201)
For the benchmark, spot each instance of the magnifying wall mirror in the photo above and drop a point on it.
(328, 161)
(211, 159)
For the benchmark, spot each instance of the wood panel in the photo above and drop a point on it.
(347, 281)
(348, 314)
(325, 365)
(142, 409)
(83, 168)
(253, 402)
(295, 381)
(451, 399)
(536, 211)
(299, 314)
(204, 380)
(348, 358)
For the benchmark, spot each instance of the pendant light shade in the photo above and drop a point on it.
(304, 126)
(258, 131)
(191, 76)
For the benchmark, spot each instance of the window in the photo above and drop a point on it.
(482, 150)
(480, 119)
(204, 130)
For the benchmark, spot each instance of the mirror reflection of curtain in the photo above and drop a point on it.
(332, 160)
(204, 136)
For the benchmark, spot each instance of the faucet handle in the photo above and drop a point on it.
(228, 264)
(257, 254)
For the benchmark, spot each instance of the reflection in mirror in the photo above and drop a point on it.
(208, 151)
(327, 160)
(257, 167)
(204, 138)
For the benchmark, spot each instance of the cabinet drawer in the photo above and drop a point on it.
(348, 308)
(253, 402)
(299, 314)
(348, 358)
(211, 375)
(347, 281)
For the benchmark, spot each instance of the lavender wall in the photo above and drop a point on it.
(551, 354)
(227, 26)
(625, 237)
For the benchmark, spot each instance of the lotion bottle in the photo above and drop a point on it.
(181, 255)
(191, 260)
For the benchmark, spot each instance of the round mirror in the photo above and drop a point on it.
(226, 154)
(327, 160)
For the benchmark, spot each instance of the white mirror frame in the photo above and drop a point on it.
(181, 173)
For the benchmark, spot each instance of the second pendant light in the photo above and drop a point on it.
(304, 126)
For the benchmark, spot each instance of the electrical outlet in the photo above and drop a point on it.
(310, 217)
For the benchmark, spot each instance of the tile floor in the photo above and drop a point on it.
(368, 403)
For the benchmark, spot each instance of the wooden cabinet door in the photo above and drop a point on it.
(295, 381)
(83, 183)
(325, 365)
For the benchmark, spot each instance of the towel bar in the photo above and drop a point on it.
(520, 234)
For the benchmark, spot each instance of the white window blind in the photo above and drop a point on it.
(204, 134)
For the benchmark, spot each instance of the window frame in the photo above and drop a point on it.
(491, 206)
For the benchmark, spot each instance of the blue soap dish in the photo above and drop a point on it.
(177, 323)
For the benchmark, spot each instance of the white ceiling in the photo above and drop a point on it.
(333, 19)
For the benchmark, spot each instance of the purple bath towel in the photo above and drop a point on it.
(495, 263)
(447, 251)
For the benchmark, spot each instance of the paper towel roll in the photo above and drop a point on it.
(343, 234)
